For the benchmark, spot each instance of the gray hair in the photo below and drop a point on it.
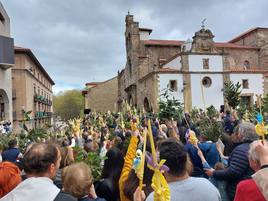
(248, 132)
(252, 153)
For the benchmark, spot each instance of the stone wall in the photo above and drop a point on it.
(235, 58)
(103, 97)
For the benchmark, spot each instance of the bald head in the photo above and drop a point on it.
(39, 158)
(253, 157)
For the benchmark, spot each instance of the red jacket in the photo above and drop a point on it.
(247, 190)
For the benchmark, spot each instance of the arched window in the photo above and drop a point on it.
(246, 65)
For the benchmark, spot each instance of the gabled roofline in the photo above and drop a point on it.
(237, 38)
(170, 59)
(99, 83)
(163, 42)
(92, 83)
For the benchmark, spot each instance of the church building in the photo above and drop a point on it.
(195, 70)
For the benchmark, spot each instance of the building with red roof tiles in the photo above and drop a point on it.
(192, 69)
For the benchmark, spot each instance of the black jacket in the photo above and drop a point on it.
(237, 170)
(105, 189)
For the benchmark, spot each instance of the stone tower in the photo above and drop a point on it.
(132, 38)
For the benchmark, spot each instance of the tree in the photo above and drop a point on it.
(265, 103)
(208, 124)
(68, 104)
(231, 93)
(169, 107)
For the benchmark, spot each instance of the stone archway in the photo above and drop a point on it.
(146, 105)
(4, 105)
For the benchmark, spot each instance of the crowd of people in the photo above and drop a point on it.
(5, 127)
(234, 167)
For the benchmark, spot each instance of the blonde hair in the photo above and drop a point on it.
(67, 156)
(77, 179)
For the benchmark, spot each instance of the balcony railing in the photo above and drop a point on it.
(6, 52)
(39, 115)
(42, 99)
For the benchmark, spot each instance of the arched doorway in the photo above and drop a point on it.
(146, 105)
(4, 106)
(130, 100)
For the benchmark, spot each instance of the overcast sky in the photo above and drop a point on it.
(79, 41)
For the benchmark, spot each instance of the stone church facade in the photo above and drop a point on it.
(195, 70)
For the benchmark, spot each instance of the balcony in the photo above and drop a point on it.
(42, 99)
(6, 52)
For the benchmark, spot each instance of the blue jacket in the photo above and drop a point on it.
(210, 153)
(237, 170)
(11, 155)
(196, 161)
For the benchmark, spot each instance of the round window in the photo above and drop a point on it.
(206, 81)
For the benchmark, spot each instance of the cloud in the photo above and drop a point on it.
(83, 40)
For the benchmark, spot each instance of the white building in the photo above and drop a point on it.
(197, 75)
(6, 62)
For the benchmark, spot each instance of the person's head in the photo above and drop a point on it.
(253, 157)
(77, 179)
(203, 138)
(12, 143)
(164, 128)
(132, 182)
(88, 146)
(113, 164)
(42, 160)
(245, 133)
(176, 157)
(67, 156)
(10, 177)
(117, 142)
(65, 142)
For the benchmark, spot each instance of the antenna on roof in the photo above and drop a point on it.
(128, 13)
(203, 23)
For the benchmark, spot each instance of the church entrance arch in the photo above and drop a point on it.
(146, 105)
